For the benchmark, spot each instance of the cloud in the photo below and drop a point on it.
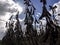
(9, 6)
(57, 12)
(58, 7)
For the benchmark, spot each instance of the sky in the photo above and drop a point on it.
(10, 7)
(38, 5)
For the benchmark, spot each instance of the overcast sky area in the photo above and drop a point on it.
(10, 7)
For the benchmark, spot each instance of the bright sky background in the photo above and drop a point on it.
(9, 7)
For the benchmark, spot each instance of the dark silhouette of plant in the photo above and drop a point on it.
(18, 31)
(30, 32)
(14, 34)
(8, 38)
(29, 19)
(50, 26)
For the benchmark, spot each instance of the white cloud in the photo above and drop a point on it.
(58, 7)
(9, 6)
(57, 12)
